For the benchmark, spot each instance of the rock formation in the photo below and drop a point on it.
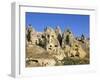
(67, 38)
(53, 47)
(59, 34)
(31, 35)
(52, 43)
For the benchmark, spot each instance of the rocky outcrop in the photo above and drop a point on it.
(53, 47)
(59, 34)
(67, 38)
(31, 35)
(52, 43)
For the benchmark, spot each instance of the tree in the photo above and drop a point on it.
(82, 37)
(67, 39)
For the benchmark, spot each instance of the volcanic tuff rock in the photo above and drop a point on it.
(53, 47)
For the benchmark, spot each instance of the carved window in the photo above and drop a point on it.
(48, 36)
(56, 45)
(50, 45)
(52, 35)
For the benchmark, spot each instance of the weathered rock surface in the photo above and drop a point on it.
(52, 47)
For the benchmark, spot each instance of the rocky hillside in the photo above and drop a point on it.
(52, 47)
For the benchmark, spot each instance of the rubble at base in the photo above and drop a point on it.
(53, 47)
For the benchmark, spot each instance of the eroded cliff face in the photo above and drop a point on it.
(53, 47)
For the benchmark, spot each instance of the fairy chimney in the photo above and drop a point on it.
(52, 42)
(31, 35)
(59, 34)
(67, 38)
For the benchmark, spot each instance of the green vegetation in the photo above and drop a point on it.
(69, 61)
